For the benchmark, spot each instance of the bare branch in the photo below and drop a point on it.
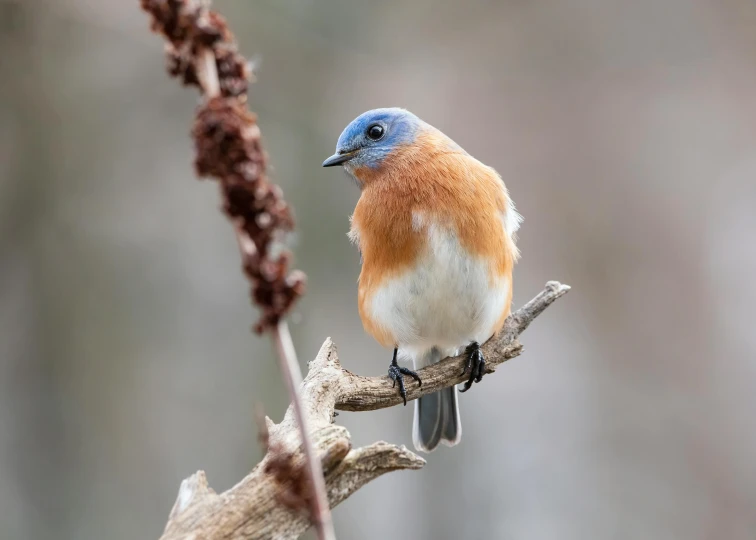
(254, 509)
(371, 393)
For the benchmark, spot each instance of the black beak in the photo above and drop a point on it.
(338, 159)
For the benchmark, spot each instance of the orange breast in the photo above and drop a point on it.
(389, 246)
(433, 181)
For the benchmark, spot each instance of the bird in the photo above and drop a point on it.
(436, 231)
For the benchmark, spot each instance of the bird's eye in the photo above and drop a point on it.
(375, 132)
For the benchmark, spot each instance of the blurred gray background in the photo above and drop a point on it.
(626, 132)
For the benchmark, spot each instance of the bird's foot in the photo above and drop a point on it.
(396, 373)
(476, 365)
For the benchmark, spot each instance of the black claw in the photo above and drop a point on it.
(396, 372)
(476, 364)
(481, 369)
(413, 375)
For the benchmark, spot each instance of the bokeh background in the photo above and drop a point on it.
(626, 132)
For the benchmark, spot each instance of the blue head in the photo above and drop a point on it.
(372, 136)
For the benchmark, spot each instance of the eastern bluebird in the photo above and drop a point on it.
(436, 232)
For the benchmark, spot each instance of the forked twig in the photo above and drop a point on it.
(253, 508)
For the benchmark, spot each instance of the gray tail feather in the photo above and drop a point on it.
(437, 420)
(436, 416)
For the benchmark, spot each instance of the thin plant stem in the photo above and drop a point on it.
(287, 356)
(287, 361)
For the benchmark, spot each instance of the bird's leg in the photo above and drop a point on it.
(396, 372)
(476, 364)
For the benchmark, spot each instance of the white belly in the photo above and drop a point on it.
(446, 301)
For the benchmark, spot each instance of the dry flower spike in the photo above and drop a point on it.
(201, 51)
(228, 148)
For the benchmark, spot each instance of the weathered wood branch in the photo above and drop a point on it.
(369, 393)
(262, 505)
